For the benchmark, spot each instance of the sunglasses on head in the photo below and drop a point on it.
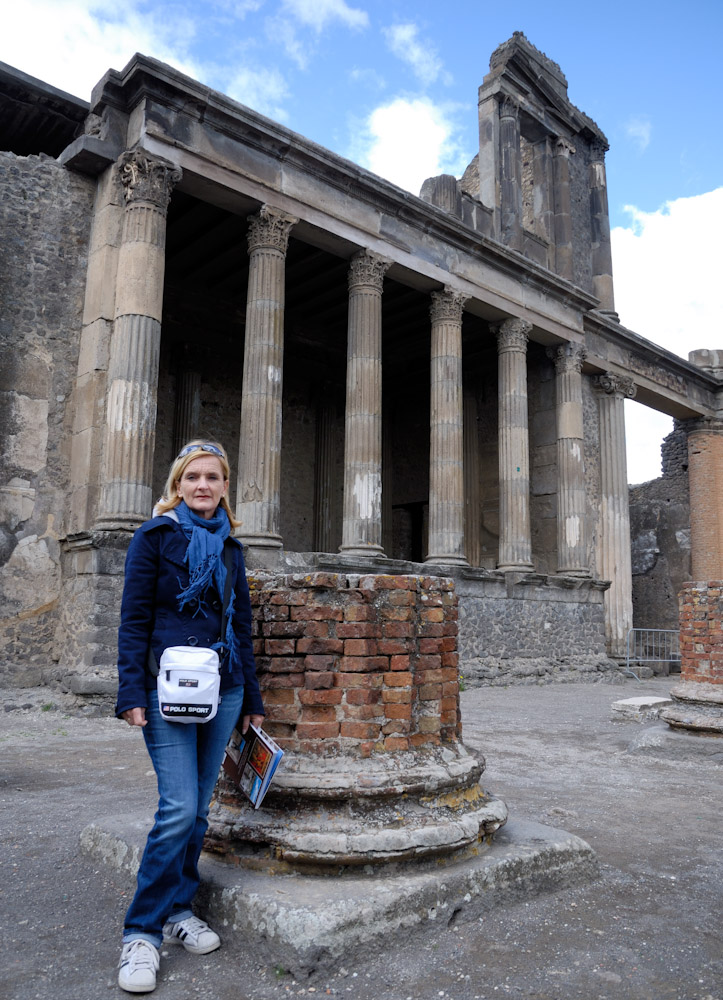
(200, 447)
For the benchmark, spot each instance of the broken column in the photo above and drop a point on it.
(698, 699)
(360, 682)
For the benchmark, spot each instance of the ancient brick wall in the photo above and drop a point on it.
(45, 219)
(701, 632)
(360, 663)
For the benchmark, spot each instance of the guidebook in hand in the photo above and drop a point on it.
(251, 761)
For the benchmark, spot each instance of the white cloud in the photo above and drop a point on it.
(667, 272)
(369, 78)
(71, 43)
(404, 42)
(263, 89)
(407, 141)
(640, 131)
(318, 14)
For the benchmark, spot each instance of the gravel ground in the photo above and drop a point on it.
(648, 929)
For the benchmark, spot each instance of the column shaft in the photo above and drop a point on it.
(259, 475)
(362, 526)
(601, 250)
(614, 534)
(515, 552)
(135, 344)
(563, 209)
(510, 175)
(446, 449)
(572, 555)
(187, 415)
(705, 478)
(471, 480)
(324, 492)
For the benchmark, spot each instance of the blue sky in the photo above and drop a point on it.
(392, 84)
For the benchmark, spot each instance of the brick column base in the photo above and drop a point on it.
(361, 685)
(699, 698)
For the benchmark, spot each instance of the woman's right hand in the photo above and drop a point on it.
(134, 716)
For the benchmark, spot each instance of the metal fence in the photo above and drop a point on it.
(652, 645)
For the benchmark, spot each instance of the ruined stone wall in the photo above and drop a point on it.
(45, 216)
(660, 538)
(537, 637)
(363, 663)
(701, 632)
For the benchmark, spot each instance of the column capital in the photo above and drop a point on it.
(509, 107)
(447, 305)
(598, 149)
(567, 357)
(270, 228)
(620, 386)
(367, 268)
(147, 178)
(512, 335)
(563, 147)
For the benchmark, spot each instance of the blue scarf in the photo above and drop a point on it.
(206, 568)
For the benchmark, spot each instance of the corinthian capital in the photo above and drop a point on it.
(563, 147)
(512, 335)
(567, 357)
(270, 229)
(611, 384)
(598, 149)
(447, 306)
(146, 178)
(509, 108)
(367, 268)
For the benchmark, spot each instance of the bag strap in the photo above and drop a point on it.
(151, 661)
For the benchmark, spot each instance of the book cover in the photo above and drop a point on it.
(250, 761)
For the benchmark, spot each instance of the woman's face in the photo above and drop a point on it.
(202, 485)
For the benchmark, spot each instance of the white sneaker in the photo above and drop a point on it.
(195, 935)
(138, 966)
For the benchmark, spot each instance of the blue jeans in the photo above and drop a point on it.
(187, 758)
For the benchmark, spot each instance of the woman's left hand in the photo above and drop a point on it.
(257, 720)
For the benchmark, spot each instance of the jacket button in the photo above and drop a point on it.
(192, 640)
(215, 605)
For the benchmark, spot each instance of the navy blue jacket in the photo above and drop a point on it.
(155, 573)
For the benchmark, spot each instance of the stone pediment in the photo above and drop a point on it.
(520, 70)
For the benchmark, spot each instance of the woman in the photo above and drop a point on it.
(174, 584)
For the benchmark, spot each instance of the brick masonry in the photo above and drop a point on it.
(357, 663)
(701, 632)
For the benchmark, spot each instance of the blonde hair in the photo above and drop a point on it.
(190, 451)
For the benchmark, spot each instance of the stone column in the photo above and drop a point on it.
(515, 551)
(614, 562)
(187, 415)
(446, 447)
(705, 484)
(259, 475)
(471, 480)
(563, 208)
(362, 527)
(324, 481)
(510, 179)
(572, 556)
(135, 345)
(601, 252)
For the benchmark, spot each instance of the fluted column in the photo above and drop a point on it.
(135, 344)
(187, 414)
(446, 447)
(324, 485)
(614, 535)
(572, 555)
(259, 475)
(601, 250)
(471, 480)
(563, 208)
(705, 483)
(510, 176)
(362, 527)
(514, 446)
